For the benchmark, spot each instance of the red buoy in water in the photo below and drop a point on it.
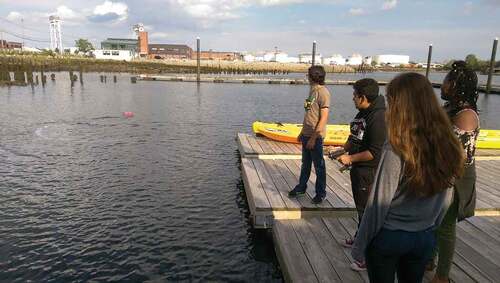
(128, 114)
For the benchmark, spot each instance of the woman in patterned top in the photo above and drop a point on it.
(459, 89)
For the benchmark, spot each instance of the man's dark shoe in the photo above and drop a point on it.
(317, 199)
(296, 192)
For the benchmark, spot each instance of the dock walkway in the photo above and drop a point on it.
(307, 236)
(309, 250)
(271, 169)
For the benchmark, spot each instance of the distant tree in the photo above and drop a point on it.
(83, 45)
(472, 62)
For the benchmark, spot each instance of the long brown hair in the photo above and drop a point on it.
(421, 133)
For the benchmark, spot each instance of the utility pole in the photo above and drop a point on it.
(492, 65)
(314, 53)
(429, 58)
(22, 24)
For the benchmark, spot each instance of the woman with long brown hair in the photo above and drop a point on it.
(411, 190)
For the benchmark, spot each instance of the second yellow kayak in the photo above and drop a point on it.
(338, 134)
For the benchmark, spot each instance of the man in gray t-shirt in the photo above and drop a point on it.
(313, 132)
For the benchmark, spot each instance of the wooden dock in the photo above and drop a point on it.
(271, 169)
(309, 250)
(307, 236)
(495, 89)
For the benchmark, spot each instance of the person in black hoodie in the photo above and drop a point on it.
(364, 145)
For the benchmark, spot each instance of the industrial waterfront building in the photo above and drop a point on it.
(170, 51)
(107, 54)
(120, 44)
(391, 60)
(4, 44)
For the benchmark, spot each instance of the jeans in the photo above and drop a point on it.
(401, 252)
(313, 156)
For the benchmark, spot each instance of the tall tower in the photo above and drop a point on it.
(142, 37)
(55, 33)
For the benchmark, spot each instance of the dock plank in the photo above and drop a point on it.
(334, 252)
(314, 253)
(281, 185)
(268, 186)
(258, 196)
(244, 145)
(292, 259)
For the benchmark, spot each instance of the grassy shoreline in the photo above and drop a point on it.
(17, 62)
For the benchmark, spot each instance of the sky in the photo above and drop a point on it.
(454, 27)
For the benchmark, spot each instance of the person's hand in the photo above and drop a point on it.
(311, 143)
(345, 159)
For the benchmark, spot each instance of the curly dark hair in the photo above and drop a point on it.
(317, 74)
(464, 86)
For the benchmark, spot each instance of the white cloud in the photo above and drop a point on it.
(209, 11)
(67, 14)
(389, 4)
(108, 11)
(14, 16)
(159, 35)
(356, 11)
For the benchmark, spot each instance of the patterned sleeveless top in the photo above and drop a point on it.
(468, 139)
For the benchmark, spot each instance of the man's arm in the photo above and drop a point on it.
(323, 119)
(347, 159)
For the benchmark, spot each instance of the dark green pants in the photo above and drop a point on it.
(463, 206)
(446, 239)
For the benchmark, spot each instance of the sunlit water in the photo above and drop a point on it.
(88, 195)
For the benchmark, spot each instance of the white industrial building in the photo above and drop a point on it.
(248, 58)
(292, 60)
(354, 60)
(367, 60)
(307, 58)
(126, 55)
(335, 59)
(392, 60)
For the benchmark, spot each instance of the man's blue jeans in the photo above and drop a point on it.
(401, 252)
(313, 156)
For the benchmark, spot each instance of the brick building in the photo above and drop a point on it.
(4, 44)
(170, 51)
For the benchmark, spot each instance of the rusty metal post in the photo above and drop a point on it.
(429, 58)
(198, 60)
(314, 53)
(492, 65)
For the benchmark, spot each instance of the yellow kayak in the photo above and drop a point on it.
(335, 134)
(338, 134)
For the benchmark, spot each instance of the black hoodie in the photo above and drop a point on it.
(368, 132)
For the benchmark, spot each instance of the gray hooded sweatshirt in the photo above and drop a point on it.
(392, 205)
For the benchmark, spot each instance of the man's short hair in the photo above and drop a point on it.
(317, 74)
(368, 88)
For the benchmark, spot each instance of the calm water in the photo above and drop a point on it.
(89, 195)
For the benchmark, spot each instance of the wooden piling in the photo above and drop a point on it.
(492, 65)
(114, 79)
(429, 57)
(198, 59)
(314, 53)
(81, 75)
